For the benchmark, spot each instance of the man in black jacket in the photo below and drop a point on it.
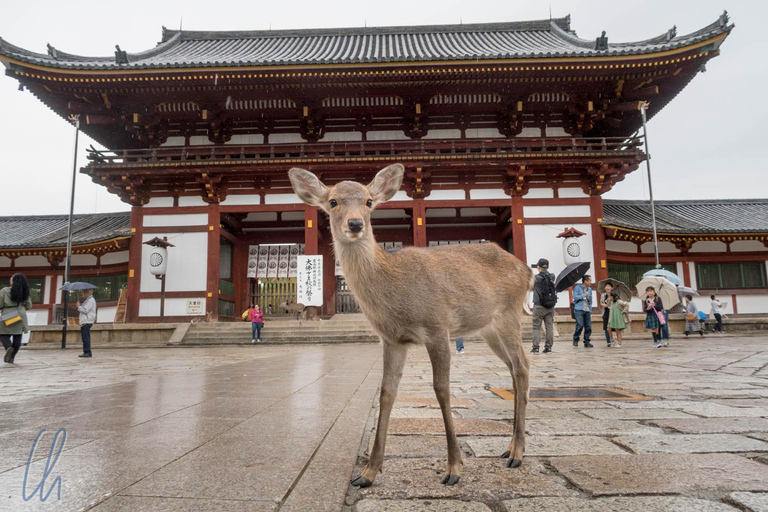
(540, 312)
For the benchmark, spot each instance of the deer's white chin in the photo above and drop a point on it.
(353, 236)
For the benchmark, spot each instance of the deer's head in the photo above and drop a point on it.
(348, 204)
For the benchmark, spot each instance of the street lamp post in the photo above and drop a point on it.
(643, 106)
(76, 121)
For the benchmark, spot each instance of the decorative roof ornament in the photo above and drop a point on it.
(121, 57)
(52, 51)
(671, 33)
(724, 19)
(601, 43)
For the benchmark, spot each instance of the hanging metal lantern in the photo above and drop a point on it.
(571, 245)
(158, 256)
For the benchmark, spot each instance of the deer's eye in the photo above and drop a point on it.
(334, 204)
(369, 203)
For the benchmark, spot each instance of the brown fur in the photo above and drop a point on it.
(427, 296)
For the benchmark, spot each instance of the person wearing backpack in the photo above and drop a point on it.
(582, 306)
(544, 301)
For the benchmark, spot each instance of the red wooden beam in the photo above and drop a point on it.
(214, 254)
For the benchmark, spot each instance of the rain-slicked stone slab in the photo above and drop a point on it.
(464, 427)
(696, 443)
(634, 414)
(706, 409)
(431, 401)
(753, 501)
(481, 480)
(532, 413)
(713, 474)
(416, 412)
(587, 427)
(636, 504)
(419, 506)
(714, 425)
(414, 446)
(147, 504)
(545, 446)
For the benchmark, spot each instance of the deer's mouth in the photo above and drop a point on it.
(353, 235)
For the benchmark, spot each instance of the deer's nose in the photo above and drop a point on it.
(355, 225)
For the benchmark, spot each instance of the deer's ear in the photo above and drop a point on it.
(308, 187)
(386, 183)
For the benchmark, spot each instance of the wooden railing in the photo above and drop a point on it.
(393, 149)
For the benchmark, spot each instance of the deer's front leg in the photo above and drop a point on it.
(440, 357)
(394, 360)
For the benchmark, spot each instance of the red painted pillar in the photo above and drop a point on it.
(239, 275)
(329, 274)
(686, 274)
(135, 248)
(310, 231)
(598, 238)
(214, 253)
(518, 229)
(419, 223)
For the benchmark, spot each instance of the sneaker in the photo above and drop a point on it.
(657, 345)
(588, 345)
(547, 350)
(85, 355)
(610, 345)
(253, 340)
(8, 353)
(258, 340)
(575, 343)
(460, 351)
(666, 343)
(535, 350)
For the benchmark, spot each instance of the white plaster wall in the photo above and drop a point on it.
(750, 303)
(37, 317)
(483, 133)
(489, 193)
(530, 132)
(664, 247)
(692, 272)
(556, 131)
(437, 195)
(173, 307)
(748, 246)
(192, 201)
(679, 269)
(440, 212)
(541, 242)
(173, 141)
(708, 247)
(286, 138)
(342, 136)
(159, 202)
(59, 284)
(114, 258)
(443, 134)
(292, 216)
(105, 315)
(387, 135)
(571, 192)
(261, 217)
(281, 199)
(540, 193)
(47, 290)
(84, 260)
(187, 263)
(252, 138)
(238, 199)
(620, 246)
(5, 261)
(537, 212)
(476, 212)
(186, 219)
(400, 195)
(32, 261)
(391, 214)
(199, 140)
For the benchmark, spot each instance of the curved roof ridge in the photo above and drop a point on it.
(59, 216)
(672, 202)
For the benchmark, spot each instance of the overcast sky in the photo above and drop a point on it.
(705, 144)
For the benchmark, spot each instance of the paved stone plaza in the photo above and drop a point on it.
(285, 427)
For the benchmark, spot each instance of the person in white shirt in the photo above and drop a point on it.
(87, 311)
(717, 312)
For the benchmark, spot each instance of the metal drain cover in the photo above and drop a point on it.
(572, 394)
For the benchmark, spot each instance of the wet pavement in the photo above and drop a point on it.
(284, 428)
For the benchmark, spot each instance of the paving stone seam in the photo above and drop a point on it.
(737, 361)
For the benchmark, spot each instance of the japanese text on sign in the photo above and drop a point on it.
(309, 282)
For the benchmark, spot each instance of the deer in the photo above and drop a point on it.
(425, 296)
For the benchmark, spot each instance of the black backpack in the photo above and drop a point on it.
(547, 293)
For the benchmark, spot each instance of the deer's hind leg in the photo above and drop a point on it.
(505, 339)
(394, 360)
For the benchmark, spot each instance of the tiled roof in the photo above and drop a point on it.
(703, 216)
(51, 230)
(491, 41)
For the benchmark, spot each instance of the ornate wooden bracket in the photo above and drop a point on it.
(418, 183)
(510, 120)
(148, 128)
(598, 179)
(517, 180)
(214, 187)
(684, 245)
(416, 121)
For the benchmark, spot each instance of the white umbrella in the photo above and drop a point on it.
(664, 289)
(684, 290)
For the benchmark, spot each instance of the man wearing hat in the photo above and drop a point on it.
(544, 301)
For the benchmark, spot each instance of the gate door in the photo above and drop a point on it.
(345, 300)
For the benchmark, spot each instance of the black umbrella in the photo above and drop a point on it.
(571, 275)
(78, 285)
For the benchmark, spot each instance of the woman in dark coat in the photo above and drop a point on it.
(14, 304)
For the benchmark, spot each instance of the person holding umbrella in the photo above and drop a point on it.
(582, 308)
(605, 301)
(653, 307)
(87, 310)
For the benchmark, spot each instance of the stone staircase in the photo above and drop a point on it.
(352, 328)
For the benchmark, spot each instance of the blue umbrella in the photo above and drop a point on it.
(666, 274)
(78, 285)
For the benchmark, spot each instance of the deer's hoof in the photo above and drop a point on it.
(505, 455)
(361, 481)
(451, 479)
(514, 463)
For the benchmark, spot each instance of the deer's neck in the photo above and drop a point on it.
(366, 266)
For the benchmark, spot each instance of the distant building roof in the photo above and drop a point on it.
(48, 231)
(683, 217)
(492, 41)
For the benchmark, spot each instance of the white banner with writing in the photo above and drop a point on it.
(309, 282)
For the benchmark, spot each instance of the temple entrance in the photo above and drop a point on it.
(269, 293)
(345, 299)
